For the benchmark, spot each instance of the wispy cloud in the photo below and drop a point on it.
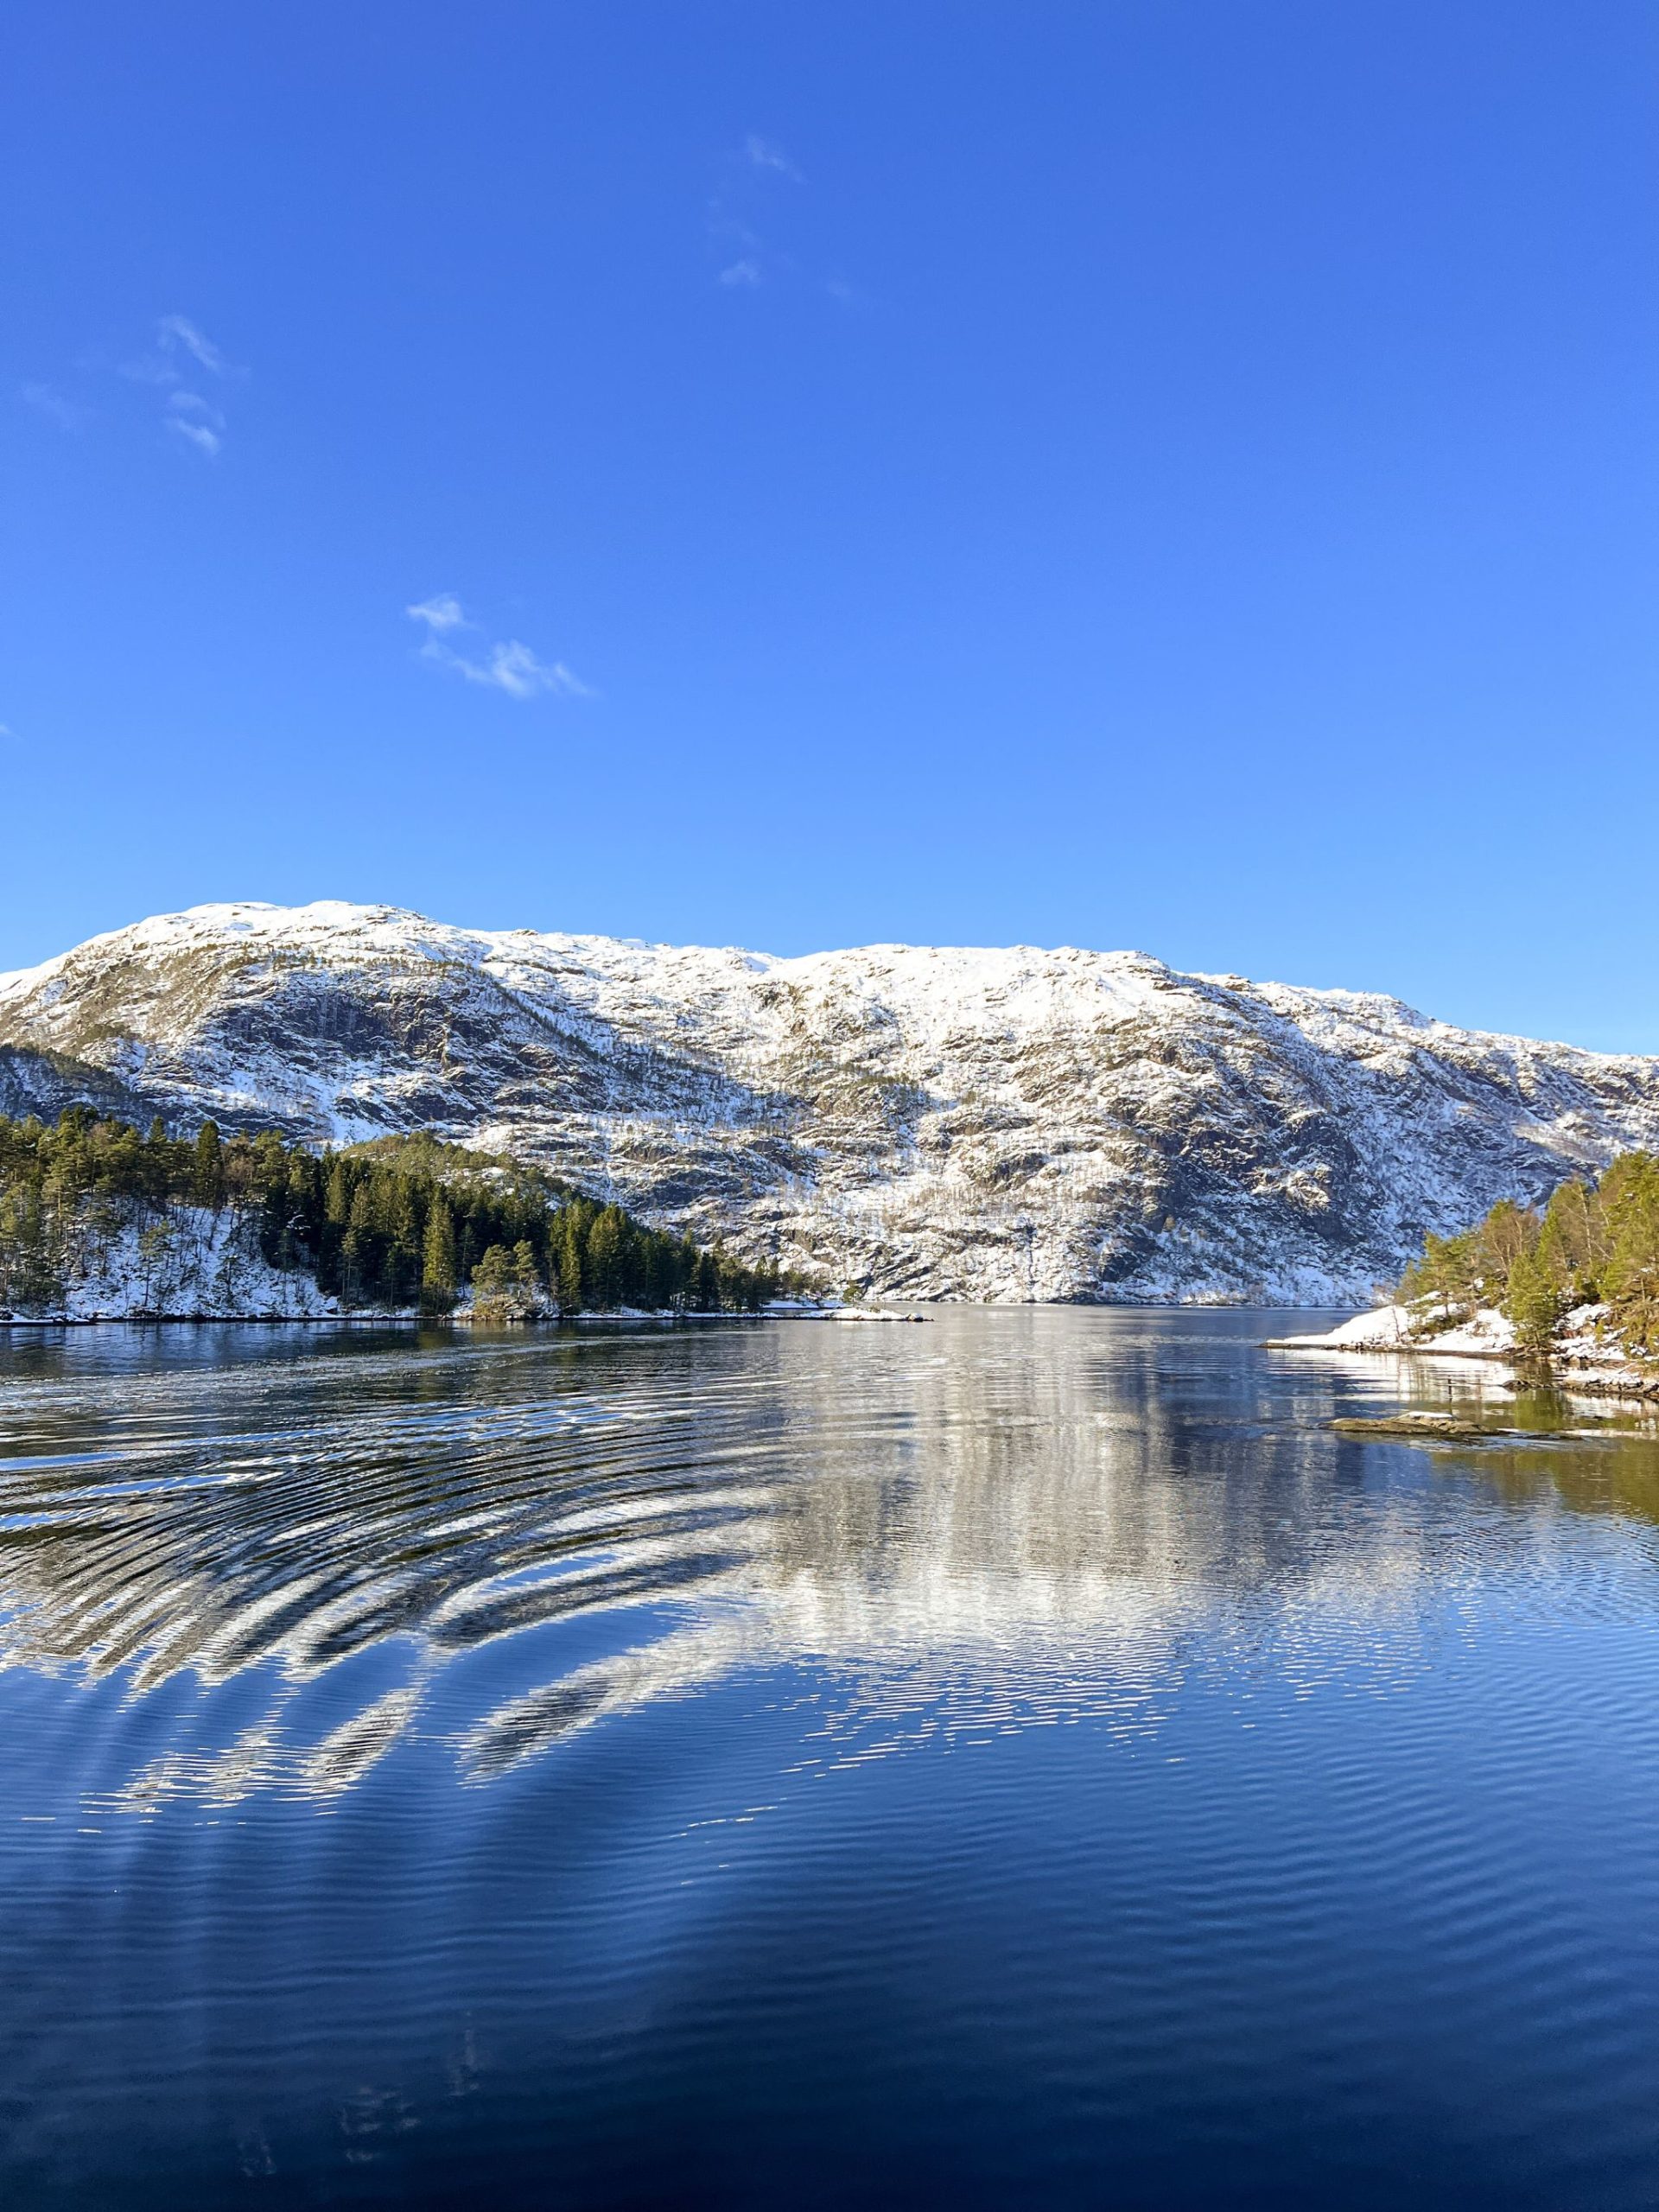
(510, 667)
(180, 365)
(179, 334)
(175, 334)
(439, 613)
(762, 154)
(751, 196)
(195, 419)
(506, 666)
(46, 400)
(200, 435)
(740, 201)
(180, 348)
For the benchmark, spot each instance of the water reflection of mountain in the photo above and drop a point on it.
(1023, 1514)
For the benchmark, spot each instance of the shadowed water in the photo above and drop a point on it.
(1027, 1759)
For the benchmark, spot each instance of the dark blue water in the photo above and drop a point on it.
(1024, 1760)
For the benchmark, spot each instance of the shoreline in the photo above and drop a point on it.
(405, 1317)
(372, 1320)
(1489, 1338)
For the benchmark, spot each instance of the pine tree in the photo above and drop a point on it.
(496, 1292)
(31, 1273)
(604, 1251)
(438, 1277)
(569, 1265)
(400, 1268)
(207, 1168)
(1631, 1192)
(357, 1246)
(1573, 1245)
(1534, 1304)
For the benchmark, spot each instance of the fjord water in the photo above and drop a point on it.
(1025, 1759)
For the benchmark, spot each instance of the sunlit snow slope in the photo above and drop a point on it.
(996, 1125)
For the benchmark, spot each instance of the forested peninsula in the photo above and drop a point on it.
(1574, 1285)
(98, 1220)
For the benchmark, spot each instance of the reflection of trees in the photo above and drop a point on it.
(1032, 1507)
(1613, 1474)
(1607, 1460)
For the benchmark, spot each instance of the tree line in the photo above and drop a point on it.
(399, 1223)
(1594, 1244)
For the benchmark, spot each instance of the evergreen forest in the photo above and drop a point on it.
(399, 1223)
(1594, 1244)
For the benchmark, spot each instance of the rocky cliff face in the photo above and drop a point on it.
(935, 1123)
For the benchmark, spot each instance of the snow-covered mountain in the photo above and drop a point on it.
(932, 1122)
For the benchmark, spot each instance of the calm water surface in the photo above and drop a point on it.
(1024, 1760)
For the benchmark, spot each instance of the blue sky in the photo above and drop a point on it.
(1160, 474)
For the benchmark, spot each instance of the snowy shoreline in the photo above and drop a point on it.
(406, 1316)
(1584, 1356)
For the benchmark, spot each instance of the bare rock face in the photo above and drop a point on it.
(1006, 1126)
(44, 1083)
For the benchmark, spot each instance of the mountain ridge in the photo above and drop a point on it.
(1002, 1123)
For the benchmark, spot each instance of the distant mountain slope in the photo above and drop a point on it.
(997, 1125)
